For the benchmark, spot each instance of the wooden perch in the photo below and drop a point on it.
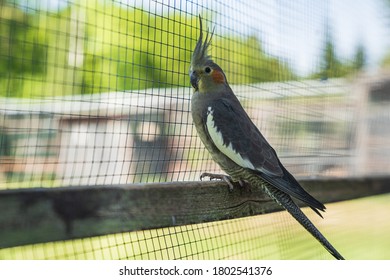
(39, 215)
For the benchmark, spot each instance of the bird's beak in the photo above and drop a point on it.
(194, 77)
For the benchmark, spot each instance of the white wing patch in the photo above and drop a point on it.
(217, 138)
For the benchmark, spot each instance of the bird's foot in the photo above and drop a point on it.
(227, 179)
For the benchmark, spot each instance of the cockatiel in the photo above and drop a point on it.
(237, 145)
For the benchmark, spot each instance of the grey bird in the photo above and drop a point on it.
(237, 145)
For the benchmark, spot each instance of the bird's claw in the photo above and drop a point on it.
(227, 179)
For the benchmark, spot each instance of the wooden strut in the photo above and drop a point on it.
(37, 215)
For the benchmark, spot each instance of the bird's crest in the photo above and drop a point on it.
(200, 56)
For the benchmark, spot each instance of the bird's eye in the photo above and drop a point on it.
(207, 69)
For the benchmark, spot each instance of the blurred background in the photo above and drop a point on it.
(96, 92)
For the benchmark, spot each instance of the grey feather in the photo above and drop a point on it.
(200, 55)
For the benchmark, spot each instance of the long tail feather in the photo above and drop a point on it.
(286, 202)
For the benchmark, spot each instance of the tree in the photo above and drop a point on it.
(23, 50)
(332, 67)
(386, 59)
(359, 61)
(99, 46)
(247, 61)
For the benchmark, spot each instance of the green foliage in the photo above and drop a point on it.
(360, 59)
(104, 47)
(23, 50)
(332, 67)
(247, 61)
(386, 61)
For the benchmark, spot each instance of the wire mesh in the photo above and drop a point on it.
(97, 92)
(272, 236)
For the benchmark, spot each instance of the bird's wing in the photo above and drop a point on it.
(235, 135)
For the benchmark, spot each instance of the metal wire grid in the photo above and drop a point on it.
(273, 236)
(134, 58)
(227, 240)
(136, 127)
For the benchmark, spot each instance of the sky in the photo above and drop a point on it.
(296, 30)
(368, 23)
(291, 30)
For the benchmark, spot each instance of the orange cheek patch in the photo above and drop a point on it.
(218, 77)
